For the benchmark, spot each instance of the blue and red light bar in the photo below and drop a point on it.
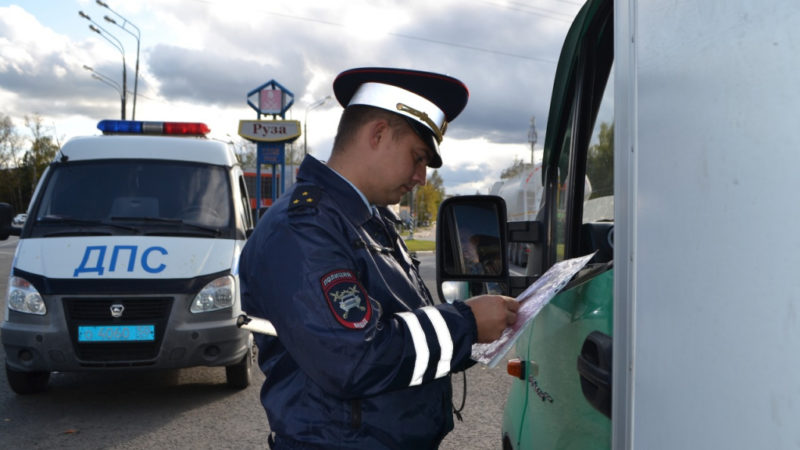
(153, 128)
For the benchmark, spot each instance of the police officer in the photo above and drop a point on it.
(363, 355)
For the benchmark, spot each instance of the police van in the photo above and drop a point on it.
(129, 258)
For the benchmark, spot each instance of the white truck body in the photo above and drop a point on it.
(707, 294)
(522, 193)
(523, 196)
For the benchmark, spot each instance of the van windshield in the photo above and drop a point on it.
(151, 197)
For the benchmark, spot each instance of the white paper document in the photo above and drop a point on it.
(532, 301)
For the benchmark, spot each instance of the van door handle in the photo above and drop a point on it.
(594, 368)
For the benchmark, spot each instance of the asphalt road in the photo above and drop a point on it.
(191, 408)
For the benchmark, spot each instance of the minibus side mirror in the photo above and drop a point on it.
(471, 247)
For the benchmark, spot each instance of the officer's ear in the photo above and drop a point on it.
(378, 131)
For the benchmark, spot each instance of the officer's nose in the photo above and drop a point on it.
(420, 173)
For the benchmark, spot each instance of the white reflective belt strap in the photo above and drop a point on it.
(445, 340)
(420, 346)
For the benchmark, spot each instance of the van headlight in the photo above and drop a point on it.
(23, 297)
(217, 294)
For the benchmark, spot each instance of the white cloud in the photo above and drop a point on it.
(199, 58)
(474, 165)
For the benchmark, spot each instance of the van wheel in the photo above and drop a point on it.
(24, 383)
(240, 374)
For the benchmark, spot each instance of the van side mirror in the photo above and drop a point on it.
(6, 214)
(471, 247)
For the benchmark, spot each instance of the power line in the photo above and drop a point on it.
(527, 9)
(470, 47)
(398, 35)
(570, 2)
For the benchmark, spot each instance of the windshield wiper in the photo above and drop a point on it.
(85, 222)
(164, 220)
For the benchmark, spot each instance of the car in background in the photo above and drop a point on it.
(19, 220)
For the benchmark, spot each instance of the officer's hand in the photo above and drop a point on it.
(493, 313)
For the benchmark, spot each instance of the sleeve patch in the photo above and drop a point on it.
(347, 299)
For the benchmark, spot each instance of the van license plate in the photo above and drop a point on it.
(116, 333)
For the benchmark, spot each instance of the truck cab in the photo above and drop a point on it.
(681, 332)
(128, 259)
(560, 396)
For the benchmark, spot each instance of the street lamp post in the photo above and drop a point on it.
(315, 105)
(138, 36)
(116, 43)
(105, 80)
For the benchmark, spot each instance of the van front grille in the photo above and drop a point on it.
(134, 311)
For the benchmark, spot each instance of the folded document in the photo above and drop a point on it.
(532, 301)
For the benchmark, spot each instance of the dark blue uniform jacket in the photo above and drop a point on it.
(363, 358)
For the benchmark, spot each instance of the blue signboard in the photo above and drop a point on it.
(270, 136)
(270, 98)
(271, 152)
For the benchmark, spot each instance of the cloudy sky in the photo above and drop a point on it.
(199, 58)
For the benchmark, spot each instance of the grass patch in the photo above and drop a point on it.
(415, 245)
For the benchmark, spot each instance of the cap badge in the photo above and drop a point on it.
(437, 132)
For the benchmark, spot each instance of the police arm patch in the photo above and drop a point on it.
(347, 299)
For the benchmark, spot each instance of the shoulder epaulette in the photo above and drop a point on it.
(305, 196)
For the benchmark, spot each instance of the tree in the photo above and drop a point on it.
(245, 153)
(10, 164)
(600, 164)
(427, 198)
(21, 169)
(516, 168)
(9, 143)
(42, 150)
(294, 153)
